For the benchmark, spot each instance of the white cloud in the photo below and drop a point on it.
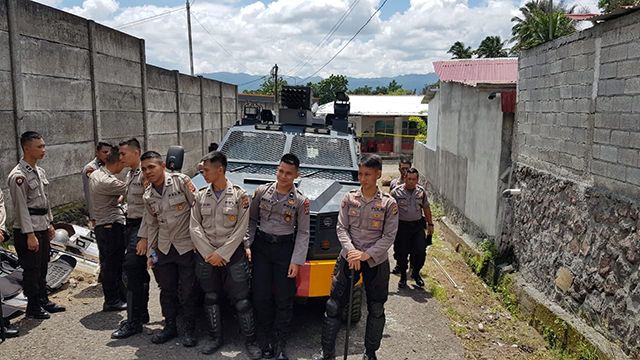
(53, 3)
(253, 37)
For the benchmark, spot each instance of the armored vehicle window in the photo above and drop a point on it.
(322, 150)
(255, 146)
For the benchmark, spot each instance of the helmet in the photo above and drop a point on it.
(61, 237)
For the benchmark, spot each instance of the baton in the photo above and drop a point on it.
(350, 307)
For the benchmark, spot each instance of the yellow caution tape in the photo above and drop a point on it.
(389, 134)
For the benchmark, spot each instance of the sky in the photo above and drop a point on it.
(250, 36)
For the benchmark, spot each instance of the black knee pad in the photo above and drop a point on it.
(243, 305)
(332, 308)
(376, 309)
(210, 298)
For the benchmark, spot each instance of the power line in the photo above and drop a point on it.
(211, 35)
(254, 80)
(150, 18)
(336, 26)
(348, 42)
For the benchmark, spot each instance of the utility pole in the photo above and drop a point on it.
(274, 73)
(189, 30)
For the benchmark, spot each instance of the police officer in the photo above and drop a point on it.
(102, 151)
(106, 190)
(32, 224)
(410, 239)
(403, 166)
(367, 225)
(168, 201)
(7, 330)
(278, 248)
(135, 271)
(219, 222)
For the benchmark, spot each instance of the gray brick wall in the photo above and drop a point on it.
(579, 105)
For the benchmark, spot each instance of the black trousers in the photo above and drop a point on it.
(376, 286)
(273, 291)
(112, 245)
(232, 278)
(410, 243)
(175, 275)
(135, 271)
(34, 263)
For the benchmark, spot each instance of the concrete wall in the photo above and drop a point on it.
(574, 231)
(463, 171)
(77, 82)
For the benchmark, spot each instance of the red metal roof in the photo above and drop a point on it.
(499, 71)
(581, 17)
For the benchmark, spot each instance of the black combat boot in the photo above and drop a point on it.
(321, 356)
(117, 305)
(268, 352)
(169, 332)
(35, 311)
(50, 306)
(131, 325)
(248, 328)
(418, 279)
(369, 355)
(214, 322)
(8, 330)
(403, 281)
(281, 350)
(189, 339)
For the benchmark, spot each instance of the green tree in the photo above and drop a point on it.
(492, 47)
(541, 21)
(460, 51)
(421, 124)
(326, 89)
(267, 87)
(611, 5)
(362, 90)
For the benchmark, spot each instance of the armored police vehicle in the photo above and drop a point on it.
(328, 153)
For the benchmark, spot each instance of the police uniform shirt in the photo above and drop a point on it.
(27, 187)
(135, 191)
(367, 225)
(92, 166)
(3, 213)
(167, 214)
(218, 224)
(410, 203)
(395, 182)
(281, 217)
(105, 190)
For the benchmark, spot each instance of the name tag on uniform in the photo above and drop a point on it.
(376, 224)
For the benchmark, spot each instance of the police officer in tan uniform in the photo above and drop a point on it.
(403, 166)
(410, 239)
(8, 330)
(168, 201)
(278, 247)
(219, 222)
(135, 272)
(106, 190)
(102, 151)
(367, 225)
(32, 224)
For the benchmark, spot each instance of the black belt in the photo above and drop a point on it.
(38, 211)
(415, 222)
(274, 239)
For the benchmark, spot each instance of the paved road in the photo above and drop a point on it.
(415, 329)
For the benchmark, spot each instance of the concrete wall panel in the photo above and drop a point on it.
(5, 58)
(121, 124)
(189, 103)
(6, 89)
(43, 22)
(159, 78)
(117, 71)
(42, 57)
(3, 16)
(46, 93)
(161, 100)
(67, 159)
(162, 123)
(229, 91)
(60, 127)
(211, 104)
(189, 85)
(190, 122)
(119, 98)
(161, 142)
(211, 88)
(116, 44)
(66, 189)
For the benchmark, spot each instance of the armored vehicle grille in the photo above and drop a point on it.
(323, 151)
(263, 146)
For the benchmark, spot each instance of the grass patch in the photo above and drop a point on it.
(505, 293)
(437, 291)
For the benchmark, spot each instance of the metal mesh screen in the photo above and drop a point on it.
(255, 146)
(325, 151)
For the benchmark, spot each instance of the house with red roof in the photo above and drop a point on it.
(466, 158)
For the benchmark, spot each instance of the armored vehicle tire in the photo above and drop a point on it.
(356, 309)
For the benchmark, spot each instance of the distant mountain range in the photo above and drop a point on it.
(252, 82)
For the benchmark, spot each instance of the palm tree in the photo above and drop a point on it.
(460, 51)
(541, 21)
(492, 47)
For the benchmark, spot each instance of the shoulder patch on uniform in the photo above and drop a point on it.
(306, 206)
(245, 201)
(189, 184)
(20, 180)
(394, 209)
